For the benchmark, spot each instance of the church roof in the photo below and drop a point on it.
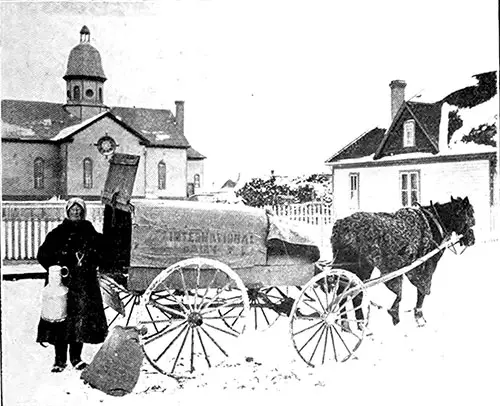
(85, 61)
(34, 120)
(157, 125)
(193, 154)
(50, 122)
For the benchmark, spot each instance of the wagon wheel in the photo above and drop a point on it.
(120, 304)
(185, 313)
(267, 304)
(323, 323)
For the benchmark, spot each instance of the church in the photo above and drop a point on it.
(63, 150)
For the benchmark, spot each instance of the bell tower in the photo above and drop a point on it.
(84, 79)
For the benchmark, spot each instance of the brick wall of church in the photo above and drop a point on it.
(18, 179)
(176, 167)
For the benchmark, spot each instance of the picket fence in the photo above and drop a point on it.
(25, 224)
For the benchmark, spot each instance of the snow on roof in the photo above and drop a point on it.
(66, 132)
(484, 113)
(18, 130)
(159, 135)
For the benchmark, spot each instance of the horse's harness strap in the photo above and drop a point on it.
(435, 218)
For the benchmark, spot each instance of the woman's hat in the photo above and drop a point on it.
(76, 200)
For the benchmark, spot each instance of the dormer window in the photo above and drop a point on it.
(409, 133)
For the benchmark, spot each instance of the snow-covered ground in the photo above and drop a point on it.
(452, 360)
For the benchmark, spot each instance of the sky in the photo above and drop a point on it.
(268, 85)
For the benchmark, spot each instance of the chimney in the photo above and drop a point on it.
(397, 96)
(179, 115)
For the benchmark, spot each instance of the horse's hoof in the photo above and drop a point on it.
(345, 326)
(394, 316)
(421, 322)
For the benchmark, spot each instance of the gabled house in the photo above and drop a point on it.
(430, 151)
(55, 149)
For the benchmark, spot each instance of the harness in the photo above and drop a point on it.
(436, 218)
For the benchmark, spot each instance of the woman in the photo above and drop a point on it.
(76, 245)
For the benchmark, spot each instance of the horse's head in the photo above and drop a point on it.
(458, 216)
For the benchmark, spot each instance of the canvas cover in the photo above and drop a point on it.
(295, 233)
(165, 232)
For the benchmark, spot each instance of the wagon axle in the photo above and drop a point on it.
(195, 319)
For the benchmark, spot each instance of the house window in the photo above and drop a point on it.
(409, 133)
(39, 175)
(76, 93)
(87, 173)
(162, 175)
(196, 180)
(410, 188)
(354, 191)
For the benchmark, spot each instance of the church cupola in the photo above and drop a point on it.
(84, 79)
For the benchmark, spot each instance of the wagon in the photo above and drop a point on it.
(193, 276)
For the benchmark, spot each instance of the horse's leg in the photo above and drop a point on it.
(421, 278)
(419, 315)
(363, 270)
(395, 285)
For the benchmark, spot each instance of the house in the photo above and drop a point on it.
(54, 149)
(430, 151)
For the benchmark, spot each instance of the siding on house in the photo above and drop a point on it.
(438, 181)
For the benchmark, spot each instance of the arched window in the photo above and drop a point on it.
(100, 94)
(162, 175)
(39, 173)
(197, 180)
(76, 92)
(87, 173)
(68, 94)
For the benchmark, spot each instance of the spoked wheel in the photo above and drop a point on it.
(329, 318)
(120, 305)
(267, 304)
(185, 313)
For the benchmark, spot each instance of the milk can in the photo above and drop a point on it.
(55, 295)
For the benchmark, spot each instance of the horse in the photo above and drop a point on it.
(390, 241)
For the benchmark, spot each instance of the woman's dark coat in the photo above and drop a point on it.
(68, 243)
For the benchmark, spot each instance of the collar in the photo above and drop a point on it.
(436, 219)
